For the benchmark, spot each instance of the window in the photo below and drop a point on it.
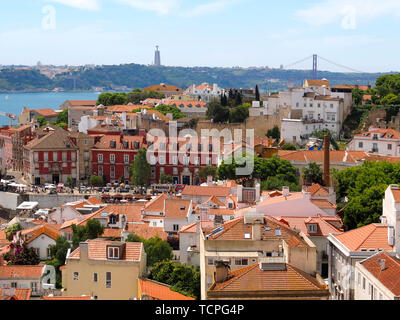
(126, 172)
(153, 160)
(176, 227)
(175, 160)
(87, 156)
(112, 171)
(108, 280)
(95, 278)
(363, 283)
(100, 171)
(113, 253)
(389, 147)
(247, 235)
(361, 145)
(312, 228)
(278, 232)
(46, 156)
(241, 262)
(76, 275)
(112, 158)
(162, 160)
(210, 261)
(34, 286)
(14, 285)
(64, 156)
(175, 170)
(100, 158)
(126, 158)
(55, 156)
(359, 279)
(86, 142)
(36, 157)
(48, 253)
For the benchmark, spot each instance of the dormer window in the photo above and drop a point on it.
(230, 205)
(113, 219)
(312, 228)
(113, 253)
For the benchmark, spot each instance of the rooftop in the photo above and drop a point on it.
(160, 291)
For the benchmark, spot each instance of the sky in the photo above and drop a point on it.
(360, 34)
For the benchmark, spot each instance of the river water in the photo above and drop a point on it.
(15, 102)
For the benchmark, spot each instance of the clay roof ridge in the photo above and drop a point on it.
(236, 275)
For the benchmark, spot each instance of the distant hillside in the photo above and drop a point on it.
(140, 76)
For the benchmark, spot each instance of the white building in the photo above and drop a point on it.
(314, 107)
(205, 91)
(377, 278)
(384, 142)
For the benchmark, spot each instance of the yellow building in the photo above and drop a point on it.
(104, 270)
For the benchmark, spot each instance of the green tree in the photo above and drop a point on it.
(92, 230)
(357, 96)
(157, 250)
(274, 133)
(207, 171)
(42, 121)
(183, 279)
(288, 146)
(217, 112)
(62, 117)
(11, 230)
(313, 174)
(390, 99)
(59, 250)
(134, 238)
(166, 179)
(238, 114)
(364, 187)
(70, 182)
(96, 181)
(176, 112)
(140, 170)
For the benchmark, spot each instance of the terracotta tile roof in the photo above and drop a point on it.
(382, 133)
(236, 229)
(339, 157)
(191, 228)
(253, 279)
(159, 291)
(188, 104)
(31, 234)
(111, 233)
(373, 236)
(163, 88)
(214, 199)
(144, 230)
(318, 190)
(159, 115)
(157, 204)
(206, 191)
(318, 83)
(98, 248)
(3, 235)
(84, 298)
(47, 112)
(222, 212)
(20, 294)
(90, 103)
(57, 139)
(176, 208)
(390, 276)
(105, 141)
(125, 108)
(21, 271)
(324, 226)
(323, 204)
(395, 192)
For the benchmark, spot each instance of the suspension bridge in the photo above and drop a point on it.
(315, 59)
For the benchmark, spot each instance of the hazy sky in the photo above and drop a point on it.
(362, 34)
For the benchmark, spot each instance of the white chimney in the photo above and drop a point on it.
(286, 191)
(382, 262)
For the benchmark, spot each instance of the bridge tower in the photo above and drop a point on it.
(315, 67)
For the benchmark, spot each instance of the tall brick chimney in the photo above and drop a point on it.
(327, 161)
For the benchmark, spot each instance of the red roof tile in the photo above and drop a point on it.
(21, 271)
(159, 291)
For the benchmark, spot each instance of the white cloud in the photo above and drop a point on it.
(161, 7)
(344, 11)
(208, 8)
(91, 5)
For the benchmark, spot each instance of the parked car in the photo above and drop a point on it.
(49, 186)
